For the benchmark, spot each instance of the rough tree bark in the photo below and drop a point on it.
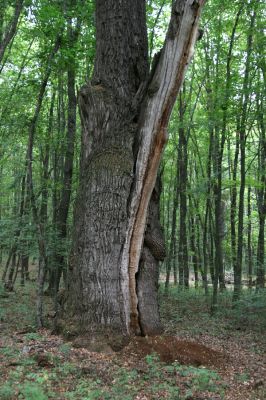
(124, 112)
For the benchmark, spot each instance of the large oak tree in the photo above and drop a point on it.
(125, 109)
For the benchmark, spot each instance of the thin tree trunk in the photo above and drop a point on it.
(206, 253)
(68, 171)
(24, 62)
(211, 247)
(38, 223)
(194, 251)
(261, 199)
(14, 247)
(63, 207)
(1, 193)
(242, 144)
(233, 191)
(250, 263)
(171, 255)
(16, 270)
(11, 28)
(199, 258)
(233, 194)
(9, 285)
(24, 260)
(183, 252)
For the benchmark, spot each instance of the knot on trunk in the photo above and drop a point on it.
(155, 243)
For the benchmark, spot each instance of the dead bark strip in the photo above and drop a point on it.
(161, 94)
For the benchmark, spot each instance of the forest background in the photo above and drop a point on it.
(213, 198)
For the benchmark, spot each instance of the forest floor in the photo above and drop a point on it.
(198, 357)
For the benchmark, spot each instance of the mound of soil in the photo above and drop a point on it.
(170, 349)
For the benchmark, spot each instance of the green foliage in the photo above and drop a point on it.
(6, 391)
(158, 13)
(67, 368)
(9, 352)
(2, 294)
(191, 310)
(159, 378)
(249, 311)
(32, 391)
(243, 377)
(213, 95)
(65, 348)
(204, 94)
(85, 379)
(33, 336)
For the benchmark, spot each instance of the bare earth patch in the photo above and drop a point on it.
(170, 349)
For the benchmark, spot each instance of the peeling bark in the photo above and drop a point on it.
(165, 85)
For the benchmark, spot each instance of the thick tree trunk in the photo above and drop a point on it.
(109, 130)
(121, 149)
